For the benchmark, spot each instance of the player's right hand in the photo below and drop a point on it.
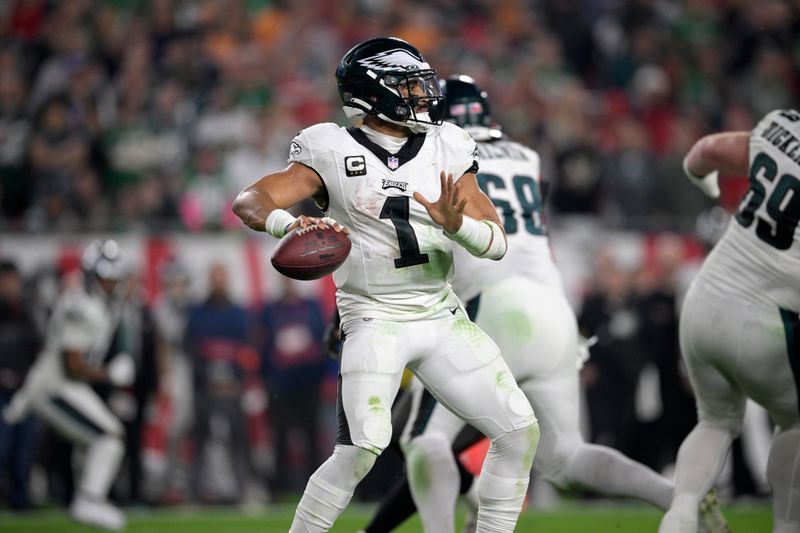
(304, 222)
(121, 370)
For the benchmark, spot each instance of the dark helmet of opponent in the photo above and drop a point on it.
(388, 78)
(468, 106)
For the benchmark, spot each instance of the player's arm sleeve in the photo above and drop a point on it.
(466, 153)
(300, 150)
(261, 205)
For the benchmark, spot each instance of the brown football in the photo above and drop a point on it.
(310, 253)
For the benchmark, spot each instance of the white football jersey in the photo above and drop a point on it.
(510, 177)
(80, 321)
(759, 255)
(400, 261)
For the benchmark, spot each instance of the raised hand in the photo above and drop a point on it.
(448, 210)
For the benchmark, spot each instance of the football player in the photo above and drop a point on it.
(519, 301)
(739, 327)
(59, 386)
(403, 185)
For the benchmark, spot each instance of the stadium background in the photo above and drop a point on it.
(141, 120)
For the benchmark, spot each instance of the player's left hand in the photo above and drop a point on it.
(448, 210)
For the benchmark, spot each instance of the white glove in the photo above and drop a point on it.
(121, 370)
(583, 348)
(17, 409)
(708, 183)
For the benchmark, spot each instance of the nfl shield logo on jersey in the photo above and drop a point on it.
(392, 163)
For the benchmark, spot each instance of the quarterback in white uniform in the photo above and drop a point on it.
(739, 328)
(519, 302)
(403, 186)
(58, 389)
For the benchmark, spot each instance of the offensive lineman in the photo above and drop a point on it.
(519, 302)
(739, 328)
(58, 387)
(396, 306)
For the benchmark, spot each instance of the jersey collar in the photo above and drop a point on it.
(392, 161)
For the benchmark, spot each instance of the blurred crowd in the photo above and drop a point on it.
(152, 114)
(235, 404)
(226, 406)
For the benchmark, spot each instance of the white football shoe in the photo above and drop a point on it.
(711, 519)
(98, 513)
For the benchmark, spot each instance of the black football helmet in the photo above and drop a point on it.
(388, 78)
(468, 106)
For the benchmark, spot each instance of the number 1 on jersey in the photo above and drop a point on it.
(396, 209)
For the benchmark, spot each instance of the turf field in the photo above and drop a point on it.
(592, 518)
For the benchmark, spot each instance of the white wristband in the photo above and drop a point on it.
(121, 370)
(481, 238)
(278, 221)
(708, 183)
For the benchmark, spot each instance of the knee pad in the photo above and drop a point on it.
(374, 433)
(365, 423)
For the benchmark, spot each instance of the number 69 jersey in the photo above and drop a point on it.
(400, 261)
(759, 255)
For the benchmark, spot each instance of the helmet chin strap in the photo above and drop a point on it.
(411, 125)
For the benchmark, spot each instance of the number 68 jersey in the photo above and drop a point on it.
(510, 177)
(400, 261)
(759, 255)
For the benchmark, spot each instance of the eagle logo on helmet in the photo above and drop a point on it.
(396, 58)
(388, 78)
